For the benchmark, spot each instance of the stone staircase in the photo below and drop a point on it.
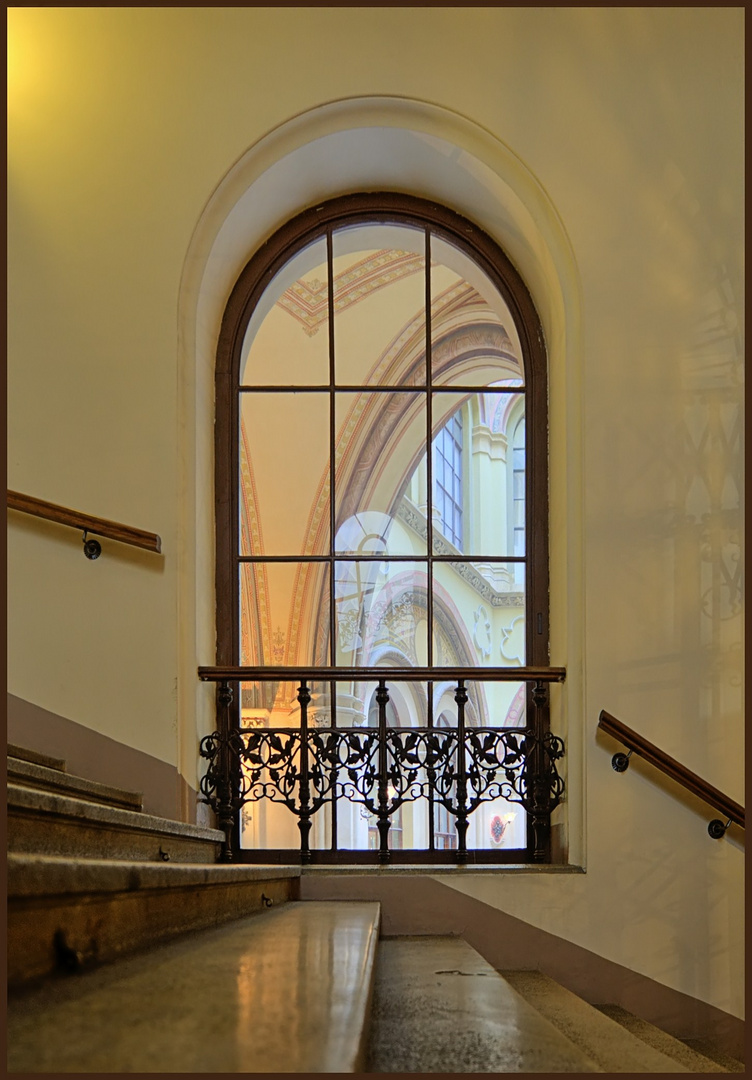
(222, 969)
(92, 878)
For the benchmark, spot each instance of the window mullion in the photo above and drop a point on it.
(429, 474)
(332, 445)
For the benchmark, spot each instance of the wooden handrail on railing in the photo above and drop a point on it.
(113, 530)
(671, 767)
(369, 674)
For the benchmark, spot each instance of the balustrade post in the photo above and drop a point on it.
(538, 779)
(304, 820)
(460, 697)
(382, 697)
(224, 807)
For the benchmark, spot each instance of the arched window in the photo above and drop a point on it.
(372, 355)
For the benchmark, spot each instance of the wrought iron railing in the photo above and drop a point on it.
(382, 768)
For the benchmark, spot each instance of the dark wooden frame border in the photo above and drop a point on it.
(303, 229)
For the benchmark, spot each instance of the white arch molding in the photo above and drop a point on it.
(371, 144)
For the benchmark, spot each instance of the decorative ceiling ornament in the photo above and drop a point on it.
(308, 301)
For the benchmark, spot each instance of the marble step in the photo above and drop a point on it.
(284, 991)
(36, 775)
(692, 1060)
(22, 754)
(49, 823)
(439, 1007)
(610, 1046)
(71, 914)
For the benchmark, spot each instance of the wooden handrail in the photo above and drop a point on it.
(668, 765)
(113, 530)
(368, 674)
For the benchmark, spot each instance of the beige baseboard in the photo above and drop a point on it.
(95, 756)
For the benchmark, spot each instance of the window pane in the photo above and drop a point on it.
(380, 438)
(474, 340)
(287, 339)
(284, 448)
(284, 616)
(380, 613)
(479, 473)
(379, 305)
(478, 614)
(497, 823)
(407, 705)
(489, 704)
(264, 823)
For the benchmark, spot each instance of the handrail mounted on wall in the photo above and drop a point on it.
(671, 767)
(113, 530)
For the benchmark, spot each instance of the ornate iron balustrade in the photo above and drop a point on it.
(382, 768)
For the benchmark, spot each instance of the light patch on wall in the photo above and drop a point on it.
(24, 64)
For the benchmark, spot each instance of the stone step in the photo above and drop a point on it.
(440, 1007)
(709, 1049)
(661, 1040)
(608, 1044)
(47, 823)
(22, 754)
(70, 914)
(32, 774)
(283, 991)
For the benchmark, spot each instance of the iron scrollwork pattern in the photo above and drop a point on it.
(382, 768)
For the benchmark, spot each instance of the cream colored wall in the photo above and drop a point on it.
(121, 124)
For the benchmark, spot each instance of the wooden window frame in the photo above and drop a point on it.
(397, 209)
(387, 208)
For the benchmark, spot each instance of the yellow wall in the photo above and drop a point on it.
(122, 122)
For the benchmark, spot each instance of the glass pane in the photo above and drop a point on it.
(287, 339)
(474, 340)
(489, 704)
(381, 438)
(380, 613)
(478, 614)
(284, 614)
(284, 474)
(497, 824)
(379, 305)
(356, 705)
(357, 721)
(271, 711)
(406, 707)
(479, 474)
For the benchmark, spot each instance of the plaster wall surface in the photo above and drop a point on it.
(123, 122)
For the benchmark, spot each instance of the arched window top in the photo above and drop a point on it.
(351, 344)
(364, 256)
